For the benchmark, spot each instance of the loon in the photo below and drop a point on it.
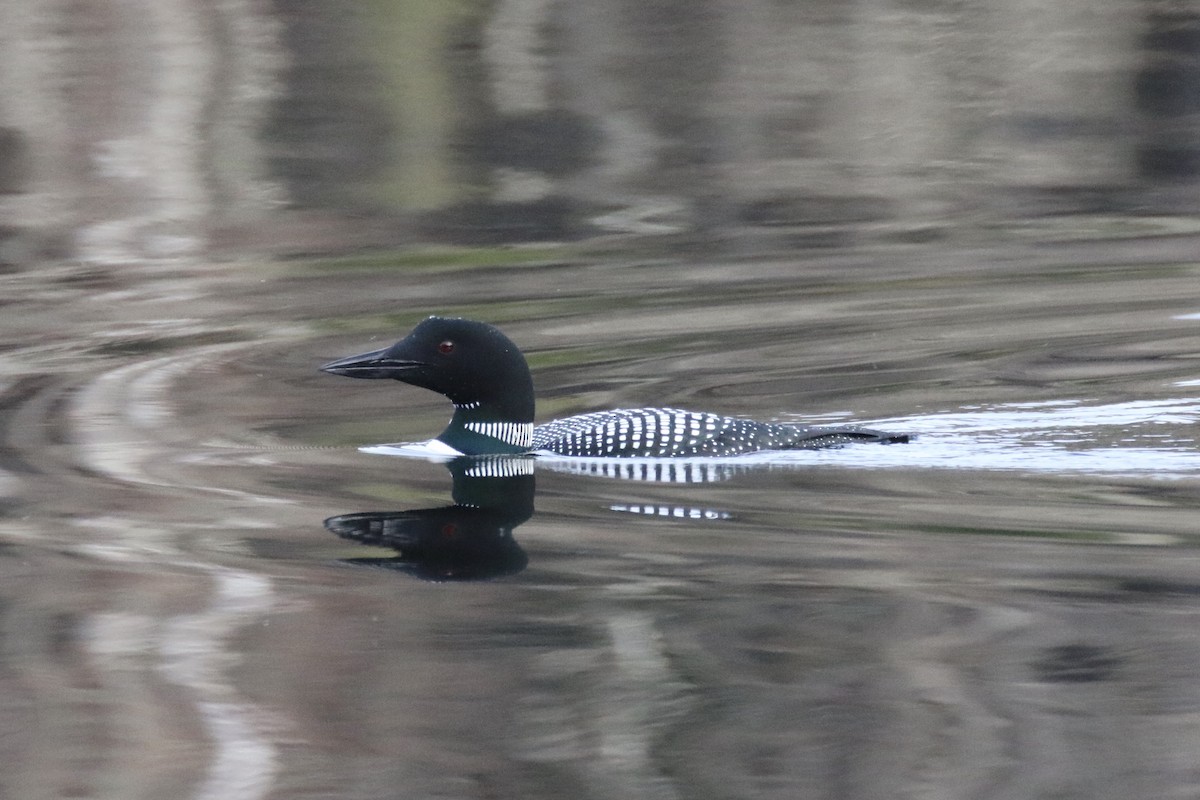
(485, 376)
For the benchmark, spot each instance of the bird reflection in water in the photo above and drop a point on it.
(470, 540)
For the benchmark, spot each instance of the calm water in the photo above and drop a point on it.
(1007, 607)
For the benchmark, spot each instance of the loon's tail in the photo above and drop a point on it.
(811, 438)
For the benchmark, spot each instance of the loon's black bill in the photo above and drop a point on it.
(374, 364)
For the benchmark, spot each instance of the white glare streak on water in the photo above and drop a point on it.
(1147, 437)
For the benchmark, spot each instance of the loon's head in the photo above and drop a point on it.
(476, 366)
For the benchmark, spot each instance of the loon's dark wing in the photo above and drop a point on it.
(658, 432)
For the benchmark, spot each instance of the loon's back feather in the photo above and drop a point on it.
(673, 432)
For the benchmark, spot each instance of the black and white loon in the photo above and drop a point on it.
(485, 375)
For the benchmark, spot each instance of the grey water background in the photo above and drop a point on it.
(975, 222)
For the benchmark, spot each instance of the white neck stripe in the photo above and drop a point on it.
(518, 434)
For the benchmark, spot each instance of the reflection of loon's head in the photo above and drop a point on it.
(470, 540)
(438, 544)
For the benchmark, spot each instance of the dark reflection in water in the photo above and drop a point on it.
(472, 539)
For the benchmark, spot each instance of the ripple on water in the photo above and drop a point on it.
(1144, 437)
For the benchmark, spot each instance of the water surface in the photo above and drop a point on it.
(1005, 607)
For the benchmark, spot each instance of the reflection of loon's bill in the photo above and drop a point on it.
(394, 529)
(648, 470)
(458, 542)
(675, 512)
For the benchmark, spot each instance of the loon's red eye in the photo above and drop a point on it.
(446, 347)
